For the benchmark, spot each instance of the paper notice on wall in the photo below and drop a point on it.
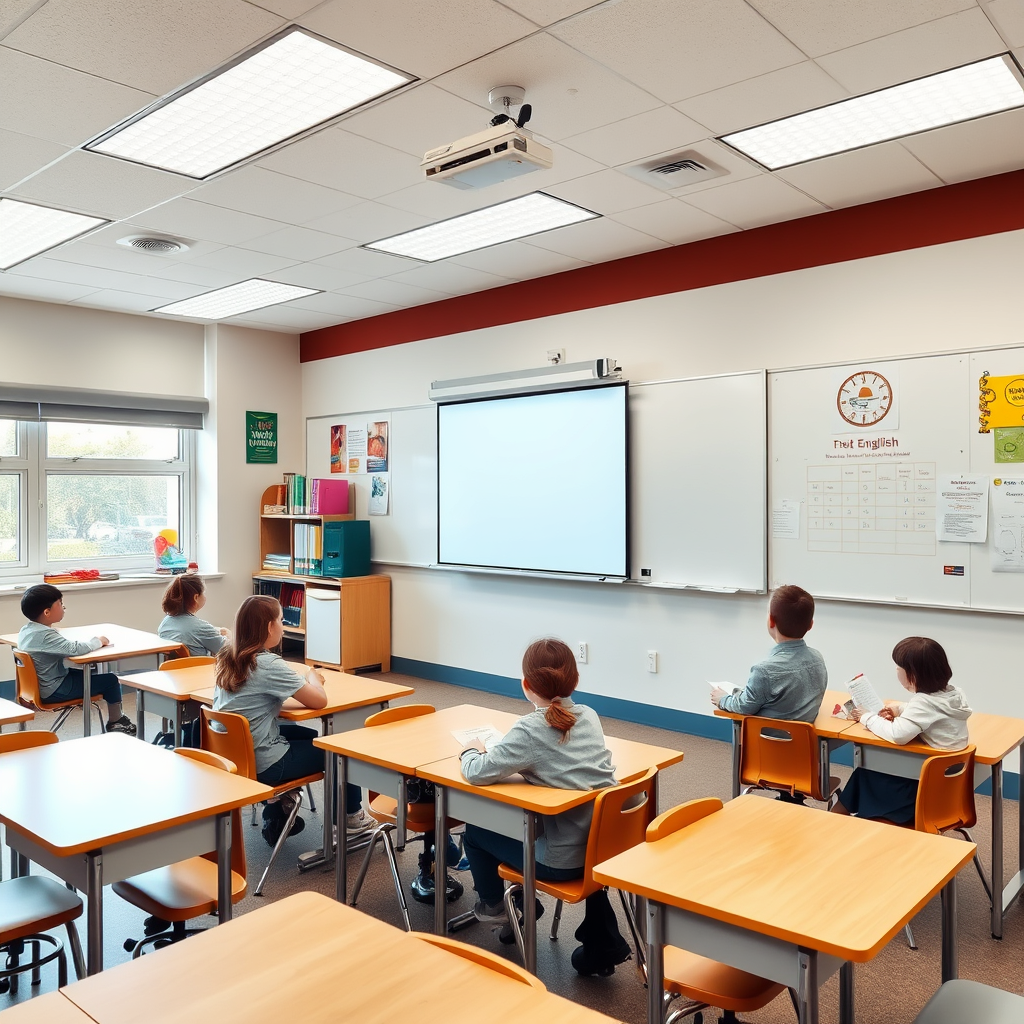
(961, 509)
(786, 519)
(1007, 545)
(356, 449)
(378, 503)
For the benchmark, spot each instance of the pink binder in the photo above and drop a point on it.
(330, 497)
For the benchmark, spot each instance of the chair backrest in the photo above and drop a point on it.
(25, 679)
(174, 664)
(228, 734)
(945, 794)
(491, 961)
(238, 863)
(785, 761)
(621, 816)
(399, 714)
(23, 740)
(679, 817)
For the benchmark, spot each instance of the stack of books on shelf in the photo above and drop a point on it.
(277, 562)
(299, 496)
(308, 549)
(291, 596)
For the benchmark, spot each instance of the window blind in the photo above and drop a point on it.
(41, 403)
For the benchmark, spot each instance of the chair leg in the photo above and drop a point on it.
(909, 932)
(289, 821)
(312, 802)
(254, 822)
(977, 863)
(61, 718)
(377, 833)
(390, 851)
(77, 956)
(513, 919)
(62, 969)
(556, 920)
(634, 931)
(37, 976)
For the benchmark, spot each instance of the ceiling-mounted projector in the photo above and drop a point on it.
(486, 158)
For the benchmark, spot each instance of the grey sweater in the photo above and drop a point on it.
(788, 684)
(49, 647)
(196, 634)
(531, 747)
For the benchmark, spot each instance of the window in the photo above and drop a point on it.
(91, 495)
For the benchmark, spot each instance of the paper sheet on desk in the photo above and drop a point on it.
(486, 734)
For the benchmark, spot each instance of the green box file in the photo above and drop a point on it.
(346, 548)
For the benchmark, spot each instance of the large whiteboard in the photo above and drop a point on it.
(851, 545)
(698, 482)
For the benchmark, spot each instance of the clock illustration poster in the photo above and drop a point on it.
(866, 397)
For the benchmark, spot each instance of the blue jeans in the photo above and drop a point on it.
(72, 687)
(486, 850)
(303, 759)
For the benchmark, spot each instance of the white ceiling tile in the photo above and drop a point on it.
(676, 50)
(299, 244)
(597, 241)
(205, 277)
(285, 320)
(990, 145)
(757, 100)
(21, 155)
(114, 257)
(315, 275)
(633, 138)
(435, 34)
(100, 277)
(154, 45)
(546, 12)
(242, 263)
(915, 52)
(265, 193)
(14, 11)
(91, 183)
(820, 26)
(108, 237)
(450, 278)
(569, 92)
(47, 101)
(369, 222)
(435, 201)
(754, 202)
(15, 284)
(607, 192)
(517, 261)
(420, 119)
(200, 220)
(861, 176)
(673, 221)
(343, 305)
(395, 293)
(367, 263)
(289, 9)
(128, 302)
(1008, 16)
(348, 163)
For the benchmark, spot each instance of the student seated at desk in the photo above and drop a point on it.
(184, 597)
(936, 714)
(559, 745)
(43, 606)
(254, 682)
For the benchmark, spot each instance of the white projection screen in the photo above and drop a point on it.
(536, 482)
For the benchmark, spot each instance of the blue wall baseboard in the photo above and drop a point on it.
(631, 711)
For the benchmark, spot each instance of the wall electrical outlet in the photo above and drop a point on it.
(652, 661)
(581, 652)
(556, 356)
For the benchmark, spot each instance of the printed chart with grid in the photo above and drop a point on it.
(873, 508)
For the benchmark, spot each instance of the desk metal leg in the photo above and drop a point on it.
(316, 858)
(224, 867)
(949, 935)
(655, 963)
(440, 860)
(177, 724)
(340, 858)
(140, 714)
(530, 891)
(87, 710)
(997, 852)
(824, 766)
(737, 751)
(807, 990)
(94, 896)
(401, 814)
(846, 1004)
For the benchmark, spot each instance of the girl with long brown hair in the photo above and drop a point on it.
(254, 682)
(560, 745)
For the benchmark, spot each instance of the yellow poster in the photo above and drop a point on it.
(1001, 402)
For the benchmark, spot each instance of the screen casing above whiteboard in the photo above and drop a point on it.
(536, 482)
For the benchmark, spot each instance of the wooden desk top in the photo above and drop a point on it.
(176, 683)
(784, 871)
(11, 713)
(824, 725)
(60, 795)
(310, 958)
(124, 642)
(51, 1008)
(632, 759)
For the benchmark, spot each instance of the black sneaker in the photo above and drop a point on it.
(587, 964)
(123, 724)
(506, 935)
(273, 824)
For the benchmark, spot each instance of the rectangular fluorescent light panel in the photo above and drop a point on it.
(26, 230)
(235, 299)
(516, 218)
(296, 82)
(964, 93)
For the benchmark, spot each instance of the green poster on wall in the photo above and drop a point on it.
(261, 437)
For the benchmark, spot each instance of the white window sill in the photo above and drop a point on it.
(136, 579)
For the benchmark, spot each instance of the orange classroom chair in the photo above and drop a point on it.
(491, 961)
(786, 763)
(621, 816)
(192, 661)
(27, 684)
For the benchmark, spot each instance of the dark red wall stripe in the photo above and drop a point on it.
(971, 209)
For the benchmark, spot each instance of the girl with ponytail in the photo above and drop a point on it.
(184, 597)
(559, 745)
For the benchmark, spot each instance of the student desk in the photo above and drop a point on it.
(51, 1008)
(759, 885)
(310, 959)
(124, 643)
(94, 811)
(14, 714)
(350, 699)
(165, 692)
(995, 737)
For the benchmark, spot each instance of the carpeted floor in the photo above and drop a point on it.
(889, 990)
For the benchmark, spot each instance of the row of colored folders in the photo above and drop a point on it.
(305, 496)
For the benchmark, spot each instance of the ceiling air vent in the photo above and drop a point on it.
(674, 171)
(153, 245)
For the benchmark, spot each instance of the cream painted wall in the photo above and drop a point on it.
(949, 297)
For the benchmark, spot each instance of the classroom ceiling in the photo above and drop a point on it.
(610, 83)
